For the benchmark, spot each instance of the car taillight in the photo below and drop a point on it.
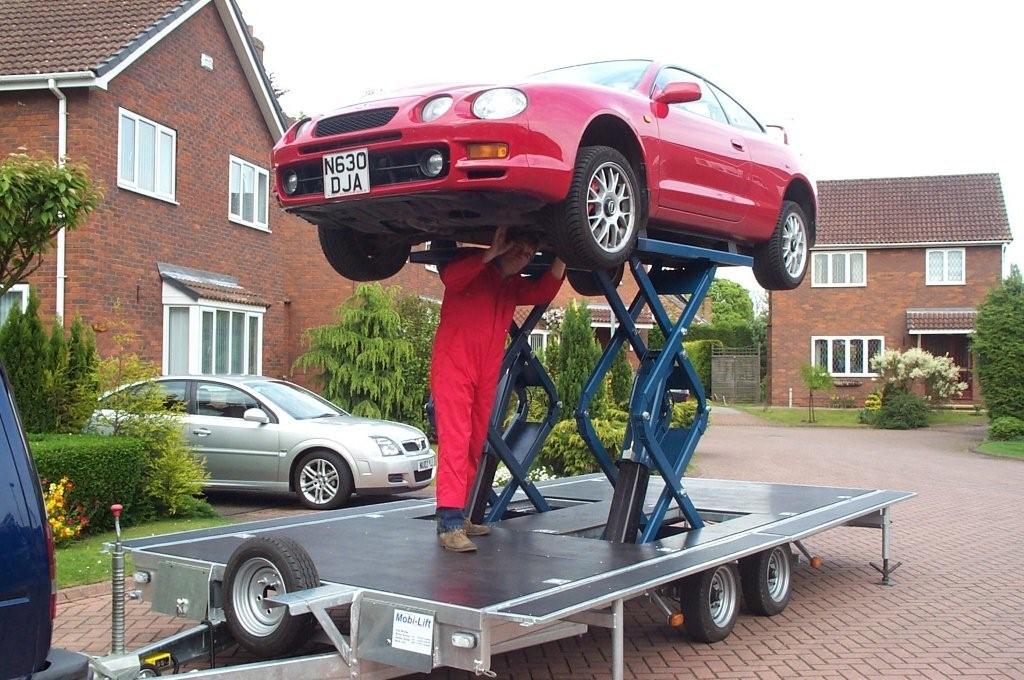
(51, 559)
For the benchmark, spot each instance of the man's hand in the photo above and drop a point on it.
(500, 244)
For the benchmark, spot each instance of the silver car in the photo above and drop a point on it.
(261, 433)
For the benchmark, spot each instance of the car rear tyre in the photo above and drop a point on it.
(781, 262)
(710, 602)
(597, 224)
(322, 480)
(584, 283)
(767, 582)
(362, 257)
(260, 568)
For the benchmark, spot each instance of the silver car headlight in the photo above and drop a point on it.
(502, 102)
(435, 108)
(387, 447)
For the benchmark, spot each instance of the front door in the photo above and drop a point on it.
(957, 348)
(237, 452)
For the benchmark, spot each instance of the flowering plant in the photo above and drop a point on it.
(67, 518)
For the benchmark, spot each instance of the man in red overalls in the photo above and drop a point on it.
(481, 292)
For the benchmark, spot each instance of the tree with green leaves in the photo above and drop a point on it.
(419, 324)
(730, 303)
(815, 378)
(56, 383)
(621, 379)
(999, 344)
(38, 198)
(578, 352)
(82, 374)
(23, 349)
(362, 356)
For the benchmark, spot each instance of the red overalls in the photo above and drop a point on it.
(475, 316)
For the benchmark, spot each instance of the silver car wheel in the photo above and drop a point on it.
(722, 596)
(319, 481)
(257, 580)
(794, 245)
(610, 207)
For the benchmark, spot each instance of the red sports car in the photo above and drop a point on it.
(586, 158)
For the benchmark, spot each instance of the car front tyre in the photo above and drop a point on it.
(362, 257)
(597, 225)
(322, 480)
(781, 262)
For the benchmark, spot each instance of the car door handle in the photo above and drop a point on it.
(202, 432)
(737, 144)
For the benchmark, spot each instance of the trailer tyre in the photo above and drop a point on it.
(260, 568)
(767, 580)
(710, 602)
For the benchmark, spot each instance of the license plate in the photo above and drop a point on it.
(346, 173)
(425, 464)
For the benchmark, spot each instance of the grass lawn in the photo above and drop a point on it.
(1014, 449)
(847, 417)
(81, 562)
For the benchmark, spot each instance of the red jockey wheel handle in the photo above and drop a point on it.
(116, 509)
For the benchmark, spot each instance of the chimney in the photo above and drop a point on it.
(257, 44)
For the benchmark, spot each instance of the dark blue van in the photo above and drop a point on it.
(27, 568)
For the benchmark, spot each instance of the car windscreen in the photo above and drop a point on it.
(619, 75)
(298, 403)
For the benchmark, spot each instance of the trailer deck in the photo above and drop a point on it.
(540, 571)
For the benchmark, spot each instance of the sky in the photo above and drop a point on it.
(865, 89)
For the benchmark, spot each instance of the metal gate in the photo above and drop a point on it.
(736, 374)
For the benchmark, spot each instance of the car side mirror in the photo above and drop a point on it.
(779, 133)
(256, 415)
(679, 93)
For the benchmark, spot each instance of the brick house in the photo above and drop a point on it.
(168, 104)
(899, 262)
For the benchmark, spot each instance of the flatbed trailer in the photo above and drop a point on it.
(367, 593)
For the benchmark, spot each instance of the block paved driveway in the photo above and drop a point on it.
(957, 608)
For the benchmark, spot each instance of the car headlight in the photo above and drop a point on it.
(503, 102)
(302, 126)
(387, 447)
(435, 108)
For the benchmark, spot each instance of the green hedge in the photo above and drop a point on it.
(729, 334)
(104, 471)
(1006, 428)
(699, 352)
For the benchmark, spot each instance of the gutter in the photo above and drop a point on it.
(62, 150)
(41, 81)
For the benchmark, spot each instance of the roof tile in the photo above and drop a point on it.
(895, 210)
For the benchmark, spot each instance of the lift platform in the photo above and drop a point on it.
(562, 555)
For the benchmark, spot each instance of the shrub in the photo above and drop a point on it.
(566, 454)
(23, 349)
(578, 352)
(419, 324)
(939, 376)
(873, 402)
(621, 379)
(999, 343)
(103, 471)
(684, 412)
(841, 401)
(699, 352)
(1006, 428)
(815, 378)
(902, 410)
(362, 356)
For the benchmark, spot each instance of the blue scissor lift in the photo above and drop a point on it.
(664, 376)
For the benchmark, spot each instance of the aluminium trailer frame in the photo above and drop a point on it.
(544, 577)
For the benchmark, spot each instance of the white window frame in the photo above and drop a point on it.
(945, 267)
(828, 269)
(18, 288)
(544, 335)
(132, 185)
(847, 338)
(257, 171)
(195, 335)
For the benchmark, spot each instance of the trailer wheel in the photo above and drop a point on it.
(710, 603)
(766, 580)
(259, 568)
